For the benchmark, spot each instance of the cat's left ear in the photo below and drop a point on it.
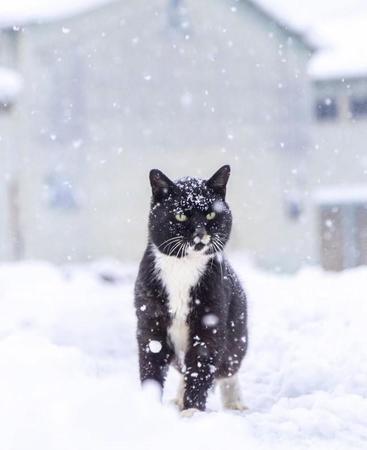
(218, 181)
(161, 184)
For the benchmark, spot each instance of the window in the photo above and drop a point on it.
(358, 107)
(293, 205)
(5, 107)
(326, 109)
(60, 192)
(178, 17)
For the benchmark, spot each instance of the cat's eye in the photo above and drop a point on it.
(181, 217)
(211, 215)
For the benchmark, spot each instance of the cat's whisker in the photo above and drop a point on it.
(169, 240)
(219, 241)
(174, 248)
(219, 246)
(216, 246)
(179, 250)
(182, 252)
(213, 248)
(170, 244)
(221, 238)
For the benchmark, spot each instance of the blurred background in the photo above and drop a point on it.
(94, 93)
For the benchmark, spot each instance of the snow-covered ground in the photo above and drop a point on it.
(68, 365)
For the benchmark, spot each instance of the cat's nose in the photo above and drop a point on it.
(199, 232)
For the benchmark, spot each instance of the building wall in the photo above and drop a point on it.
(341, 139)
(228, 87)
(340, 155)
(10, 245)
(5, 124)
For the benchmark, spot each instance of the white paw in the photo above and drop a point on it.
(178, 402)
(236, 406)
(189, 412)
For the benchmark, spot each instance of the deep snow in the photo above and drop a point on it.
(68, 366)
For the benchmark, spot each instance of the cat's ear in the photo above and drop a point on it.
(160, 183)
(218, 181)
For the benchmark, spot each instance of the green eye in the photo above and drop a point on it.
(211, 215)
(181, 217)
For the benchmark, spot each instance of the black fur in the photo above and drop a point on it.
(215, 348)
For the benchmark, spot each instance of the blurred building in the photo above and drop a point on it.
(114, 88)
(339, 159)
(340, 169)
(10, 87)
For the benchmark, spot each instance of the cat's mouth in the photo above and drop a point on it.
(199, 246)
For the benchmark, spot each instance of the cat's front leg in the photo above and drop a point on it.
(154, 352)
(200, 362)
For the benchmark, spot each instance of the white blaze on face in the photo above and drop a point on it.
(206, 239)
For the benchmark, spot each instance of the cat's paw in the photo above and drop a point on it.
(236, 406)
(189, 412)
(178, 402)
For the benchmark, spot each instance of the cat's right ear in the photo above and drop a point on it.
(161, 184)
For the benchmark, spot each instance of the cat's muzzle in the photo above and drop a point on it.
(200, 241)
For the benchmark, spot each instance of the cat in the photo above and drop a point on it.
(191, 308)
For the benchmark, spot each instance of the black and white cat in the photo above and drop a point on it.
(190, 305)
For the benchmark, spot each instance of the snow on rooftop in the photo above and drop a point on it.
(19, 12)
(10, 85)
(338, 28)
(285, 12)
(337, 64)
(334, 195)
(310, 14)
(344, 50)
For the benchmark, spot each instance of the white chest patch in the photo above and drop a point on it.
(179, 275)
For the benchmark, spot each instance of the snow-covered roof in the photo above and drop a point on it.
(338, 28)
(10, 85)
(334, 195)
(19, 12)
(343, 54)
(285, 12)
(283, 18)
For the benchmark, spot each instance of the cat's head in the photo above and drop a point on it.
(190, 215)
